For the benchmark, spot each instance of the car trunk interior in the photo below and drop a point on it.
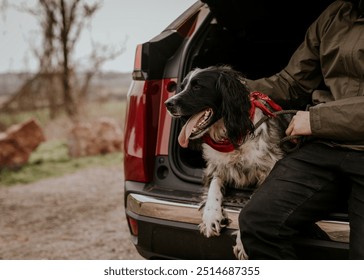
(256, 37)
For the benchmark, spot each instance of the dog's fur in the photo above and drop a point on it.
(224, 92)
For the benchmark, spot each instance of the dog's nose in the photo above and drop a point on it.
(170, 103)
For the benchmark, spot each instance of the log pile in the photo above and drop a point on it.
(18, 142)
(100, 137)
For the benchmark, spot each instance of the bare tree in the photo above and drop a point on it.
(61, 23)
(3, 7)
(99, 55)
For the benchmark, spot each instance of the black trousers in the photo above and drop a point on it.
(303, 188)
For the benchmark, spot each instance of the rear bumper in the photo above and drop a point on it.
(169, 229)
(161, 237)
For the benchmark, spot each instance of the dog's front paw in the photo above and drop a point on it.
(238, 249)
(213, 220)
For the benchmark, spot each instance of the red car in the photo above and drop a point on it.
(162, 180)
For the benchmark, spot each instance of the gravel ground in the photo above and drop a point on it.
(77, 216)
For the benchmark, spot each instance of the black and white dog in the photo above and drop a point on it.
(218, 107)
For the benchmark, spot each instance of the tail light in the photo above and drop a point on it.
(144, 115)
(133, 225)
(141, 128)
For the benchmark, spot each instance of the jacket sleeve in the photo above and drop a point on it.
(340, 120)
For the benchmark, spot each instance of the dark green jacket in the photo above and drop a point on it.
(331, 53)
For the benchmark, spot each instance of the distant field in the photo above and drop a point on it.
(11, 82)
(51, 158)
(88, 112)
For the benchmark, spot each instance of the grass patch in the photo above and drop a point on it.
(114, 109)
(51, 159)
(7, 119)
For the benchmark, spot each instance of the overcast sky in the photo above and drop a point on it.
(135, 21)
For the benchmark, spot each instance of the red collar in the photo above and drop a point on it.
(225, 146)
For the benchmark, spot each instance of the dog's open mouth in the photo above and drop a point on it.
(194, 127)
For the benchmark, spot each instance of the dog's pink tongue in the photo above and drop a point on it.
(186, 130)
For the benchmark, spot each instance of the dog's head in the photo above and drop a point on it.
(208, 95)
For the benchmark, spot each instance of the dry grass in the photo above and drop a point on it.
(51, 158)
(59, 127)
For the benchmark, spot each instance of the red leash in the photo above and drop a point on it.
(255, 98)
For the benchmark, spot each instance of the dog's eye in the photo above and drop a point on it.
(195, 84)
(196, 87)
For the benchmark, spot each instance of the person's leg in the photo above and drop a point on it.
(353, 166)
(301, 189)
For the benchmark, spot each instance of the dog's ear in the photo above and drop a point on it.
(235, 105)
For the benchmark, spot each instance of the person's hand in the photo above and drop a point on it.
(300, 124)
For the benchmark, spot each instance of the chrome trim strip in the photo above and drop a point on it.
(337, 231)
(172, 211)
(188, 213)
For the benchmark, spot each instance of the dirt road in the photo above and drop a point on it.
(77, 216)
